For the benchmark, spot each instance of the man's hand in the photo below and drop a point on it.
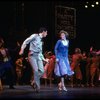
(20, 52)
(46, 60)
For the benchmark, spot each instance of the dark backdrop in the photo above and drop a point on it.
(19, 20)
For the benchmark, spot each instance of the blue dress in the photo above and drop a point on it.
(62, 67)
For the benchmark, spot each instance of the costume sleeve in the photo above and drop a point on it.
(27, 41)
(56, 49)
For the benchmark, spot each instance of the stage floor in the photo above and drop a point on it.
(27, 92)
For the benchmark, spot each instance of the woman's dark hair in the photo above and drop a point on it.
(1, 41)
(77, 50)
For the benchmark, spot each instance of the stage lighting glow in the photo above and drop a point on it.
(86, 6)
(96, 3)
(92, 5)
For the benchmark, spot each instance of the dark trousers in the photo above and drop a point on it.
(10, 76)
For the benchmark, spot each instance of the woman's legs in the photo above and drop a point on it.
(61, 84)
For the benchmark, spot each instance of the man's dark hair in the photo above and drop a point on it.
(42, 29)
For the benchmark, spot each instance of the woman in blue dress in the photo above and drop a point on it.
(62, 66)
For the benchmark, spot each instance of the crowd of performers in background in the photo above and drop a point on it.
(16, 70)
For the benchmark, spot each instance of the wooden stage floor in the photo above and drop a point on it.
(27, 92)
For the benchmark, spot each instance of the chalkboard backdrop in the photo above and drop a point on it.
(65, 19)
